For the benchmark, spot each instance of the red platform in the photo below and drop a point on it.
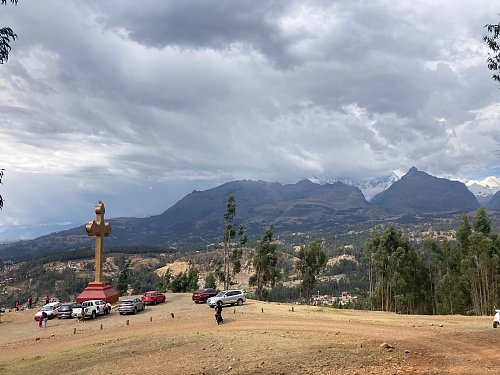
(102, 291)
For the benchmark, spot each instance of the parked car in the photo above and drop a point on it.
(153, 297)
(91, 309)
(131, 305)
(50, 309)
(66, 309)
(228, 297)
(201, 295)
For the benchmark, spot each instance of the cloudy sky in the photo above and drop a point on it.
(137, 103)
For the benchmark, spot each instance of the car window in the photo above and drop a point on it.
(221, 294)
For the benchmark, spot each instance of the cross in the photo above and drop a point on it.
(99, 229)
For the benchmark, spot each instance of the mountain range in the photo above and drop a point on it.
(197, 219)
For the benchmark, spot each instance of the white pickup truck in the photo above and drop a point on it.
(91, 309)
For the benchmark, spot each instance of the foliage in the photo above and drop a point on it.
(231, 258)
(441, 277)
(1, 173)
(122, 285)
(312, 259)
(210, 281)
(265, 264)
(493, 42)
(185, 281)
(164, 282)
(7, 36)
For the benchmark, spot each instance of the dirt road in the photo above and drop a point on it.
(256, 338)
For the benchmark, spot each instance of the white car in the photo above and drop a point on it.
(228, 297)
(50, 309)
(92, 309)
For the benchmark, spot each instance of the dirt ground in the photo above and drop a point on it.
(180, 337)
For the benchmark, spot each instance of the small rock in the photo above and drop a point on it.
(407, 351)
(37, 339)
(386, 346)
(441, 325)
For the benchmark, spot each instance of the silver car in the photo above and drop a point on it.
(228, 297)
(130, 306)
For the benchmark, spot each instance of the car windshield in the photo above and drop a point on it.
(47, 308)
(221, 294)
(149, 294)
(127, 301)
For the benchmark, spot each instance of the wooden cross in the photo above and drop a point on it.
(99, 229)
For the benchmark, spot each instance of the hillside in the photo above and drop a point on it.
(419, 192)
(256, 338)
(196, 221)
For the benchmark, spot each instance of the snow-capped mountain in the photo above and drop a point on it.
(369, 188)
(484, 189)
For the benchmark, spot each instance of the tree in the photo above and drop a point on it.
(312, 259)
(210, 281)
(232, 258)
(7, 36)
(463, 233)
(482, 223)
(122, 285)
(229, 234)
(493, 42)
(1, 176)
(265, 264)
(165, 280)
(369, 251)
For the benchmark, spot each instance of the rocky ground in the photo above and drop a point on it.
(179, 337)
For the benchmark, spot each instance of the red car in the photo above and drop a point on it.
(201, 295)
(153, 297)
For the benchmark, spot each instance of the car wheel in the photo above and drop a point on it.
(495, 324)
(94, 315)
(121, 313)
(58, 317)
(239, 302)
(135, 310)
(143, 307)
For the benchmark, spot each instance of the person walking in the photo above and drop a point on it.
(30, 302)
(40, 321)
(45, 318)
(218, 314)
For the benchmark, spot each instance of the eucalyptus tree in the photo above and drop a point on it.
(493, 42)
(232, 258)
(312, 259)
(7, 36)
(265, 265)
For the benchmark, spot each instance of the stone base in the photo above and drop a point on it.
(102, 291)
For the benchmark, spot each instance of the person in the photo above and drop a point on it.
(218, 314)
(17, 305)
(45, 318)
(47, 299)
(40, 321)
(30, 302)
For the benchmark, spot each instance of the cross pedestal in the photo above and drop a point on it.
(98, 289)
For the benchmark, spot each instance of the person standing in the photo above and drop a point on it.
(17, 305)
(47, 299)
(45, 318)
(218, 314)
(40, 321)
(30, 302)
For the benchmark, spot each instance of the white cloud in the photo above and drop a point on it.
(140, 103)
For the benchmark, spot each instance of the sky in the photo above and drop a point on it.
(137, 103)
